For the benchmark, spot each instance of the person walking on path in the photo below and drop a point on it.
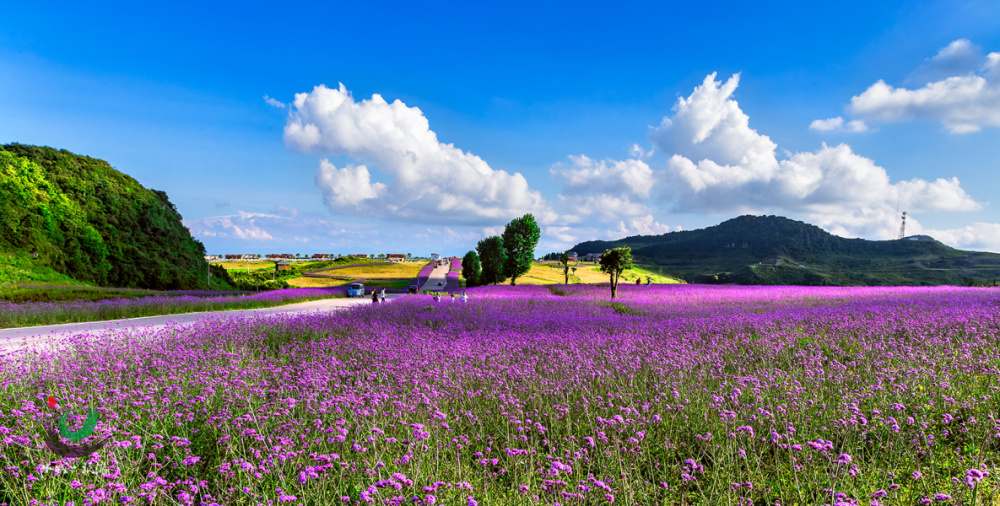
(374, 296)
(381, 295)
(648, 280)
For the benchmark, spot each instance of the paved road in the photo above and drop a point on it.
(437, 276)
(24, 337)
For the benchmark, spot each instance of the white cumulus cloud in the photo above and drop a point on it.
(838, 125)
(719, 165)
(617, 177)
(964, 97)
(430, 181)
(978, 236)
(346, 187)
(274, 103)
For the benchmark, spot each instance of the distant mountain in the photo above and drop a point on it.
(78, 217)
(774, 250)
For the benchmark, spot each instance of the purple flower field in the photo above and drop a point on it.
(671, 394)
(26, 314)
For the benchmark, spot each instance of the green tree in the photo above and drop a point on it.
(564, 259)
(471, 268)
(492, 258)
(614, 262)
(520, 237)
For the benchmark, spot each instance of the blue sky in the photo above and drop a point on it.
(602, 122)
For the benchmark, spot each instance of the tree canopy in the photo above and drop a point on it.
(520, 237)
(492, 257)
(82, 218)
(614, 262)
(471, 268)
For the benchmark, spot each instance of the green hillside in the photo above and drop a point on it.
(776, 250)
(69, 216)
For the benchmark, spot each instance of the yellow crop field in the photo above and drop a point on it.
(233, 265)
(552, 273)
(304, 282)
(396, 270)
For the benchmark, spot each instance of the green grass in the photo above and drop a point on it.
(17, 267)
(53, 293)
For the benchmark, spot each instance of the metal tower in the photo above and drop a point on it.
(902, 226)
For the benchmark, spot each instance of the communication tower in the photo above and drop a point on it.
(902, 226)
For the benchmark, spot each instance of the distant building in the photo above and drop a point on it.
(592, 257)
(282, 265)
(435, 256)
(359, 255)
(572, 256)
(393, 257)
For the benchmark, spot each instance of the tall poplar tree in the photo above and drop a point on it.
(520, 237)
(491, 257)
(471, 269)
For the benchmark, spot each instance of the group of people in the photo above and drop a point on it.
(638, 280)
(464, 297)
(379, 296)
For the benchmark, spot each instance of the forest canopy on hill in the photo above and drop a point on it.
(772, 250)
(82, 218)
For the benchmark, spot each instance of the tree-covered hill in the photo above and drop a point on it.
(776, 250)
(81, 218)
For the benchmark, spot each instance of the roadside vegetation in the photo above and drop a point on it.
(54, 293)
(27, 314)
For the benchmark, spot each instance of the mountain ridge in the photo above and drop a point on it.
(776, 250)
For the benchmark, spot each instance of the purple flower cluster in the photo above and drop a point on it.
(452, 282)
(702, 395)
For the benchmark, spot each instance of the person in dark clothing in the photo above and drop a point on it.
(374, 296)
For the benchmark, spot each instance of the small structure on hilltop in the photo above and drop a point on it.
(282, 265)
(393, 257)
